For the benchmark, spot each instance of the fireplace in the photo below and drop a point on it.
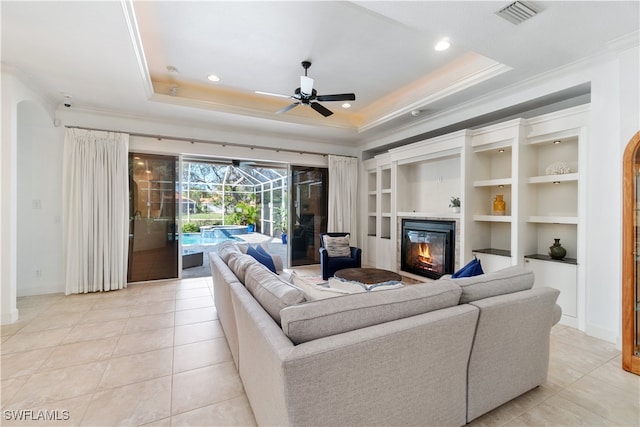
(428, 247)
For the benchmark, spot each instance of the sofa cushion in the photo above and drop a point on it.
(322, 318)
(262, 257)
(337, 246)
(505, 281)
(226, 248)
(271, 291)
(238, 263)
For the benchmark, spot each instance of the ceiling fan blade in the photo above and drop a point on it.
(320, 109)
(288, 107)
(306, 85)
(259, 92)
(337, 97)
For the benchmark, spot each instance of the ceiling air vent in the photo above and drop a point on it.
(517, 12)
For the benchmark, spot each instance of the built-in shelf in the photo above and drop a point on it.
(493, 251)
(511, 159)
(492, 218)
(552, 179)
(553, 219)
(548, 258)
(492, 182)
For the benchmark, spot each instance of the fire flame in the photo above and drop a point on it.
(424, 255)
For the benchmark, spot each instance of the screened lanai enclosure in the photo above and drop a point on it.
(223, 197)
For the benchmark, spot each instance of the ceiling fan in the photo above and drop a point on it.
(307, 95)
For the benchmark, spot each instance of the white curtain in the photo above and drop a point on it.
(343, 198)
(96, 210)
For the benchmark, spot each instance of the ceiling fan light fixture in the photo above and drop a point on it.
(306, 85)
(443, 44)
(307, 96)
(346, 105)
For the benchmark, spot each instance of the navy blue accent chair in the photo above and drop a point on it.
(329, 265)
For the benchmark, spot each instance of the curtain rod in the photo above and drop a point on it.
(205, 141)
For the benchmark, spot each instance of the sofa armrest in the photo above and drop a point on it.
(557, 314)
(356, 253)
(510, 353)
(324, 255)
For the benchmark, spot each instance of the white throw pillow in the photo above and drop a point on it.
(337, 246)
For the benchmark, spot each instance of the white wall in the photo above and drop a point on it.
(17, 98)
(39, 203)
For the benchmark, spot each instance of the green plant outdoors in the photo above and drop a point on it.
(190, 227)
(283, 219)
(245, 213)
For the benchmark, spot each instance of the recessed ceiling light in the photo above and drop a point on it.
(557, 141)
(213, 78)
(443, 44)
(346, 105)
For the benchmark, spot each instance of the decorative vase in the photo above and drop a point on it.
(556, 251)
(499, 205)
(456, 209)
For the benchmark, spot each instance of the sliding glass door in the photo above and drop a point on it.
(308, 206)
(153, 215)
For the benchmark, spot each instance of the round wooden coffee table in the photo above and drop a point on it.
(368, 276)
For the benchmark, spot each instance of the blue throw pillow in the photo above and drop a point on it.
(473, 268)
(262, 257)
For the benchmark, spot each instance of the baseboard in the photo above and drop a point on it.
(39, 290)
(569, 321)
(603, 334)
(8, 318)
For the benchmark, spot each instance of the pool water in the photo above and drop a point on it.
(199, 239)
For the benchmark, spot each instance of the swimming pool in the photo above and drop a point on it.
(207, 239)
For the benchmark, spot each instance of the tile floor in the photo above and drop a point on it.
(155, 354)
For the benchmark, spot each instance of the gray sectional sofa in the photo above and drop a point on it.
(440, 353)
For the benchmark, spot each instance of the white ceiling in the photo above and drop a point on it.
(113, 56)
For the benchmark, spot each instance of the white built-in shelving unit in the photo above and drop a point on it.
(510, 158)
